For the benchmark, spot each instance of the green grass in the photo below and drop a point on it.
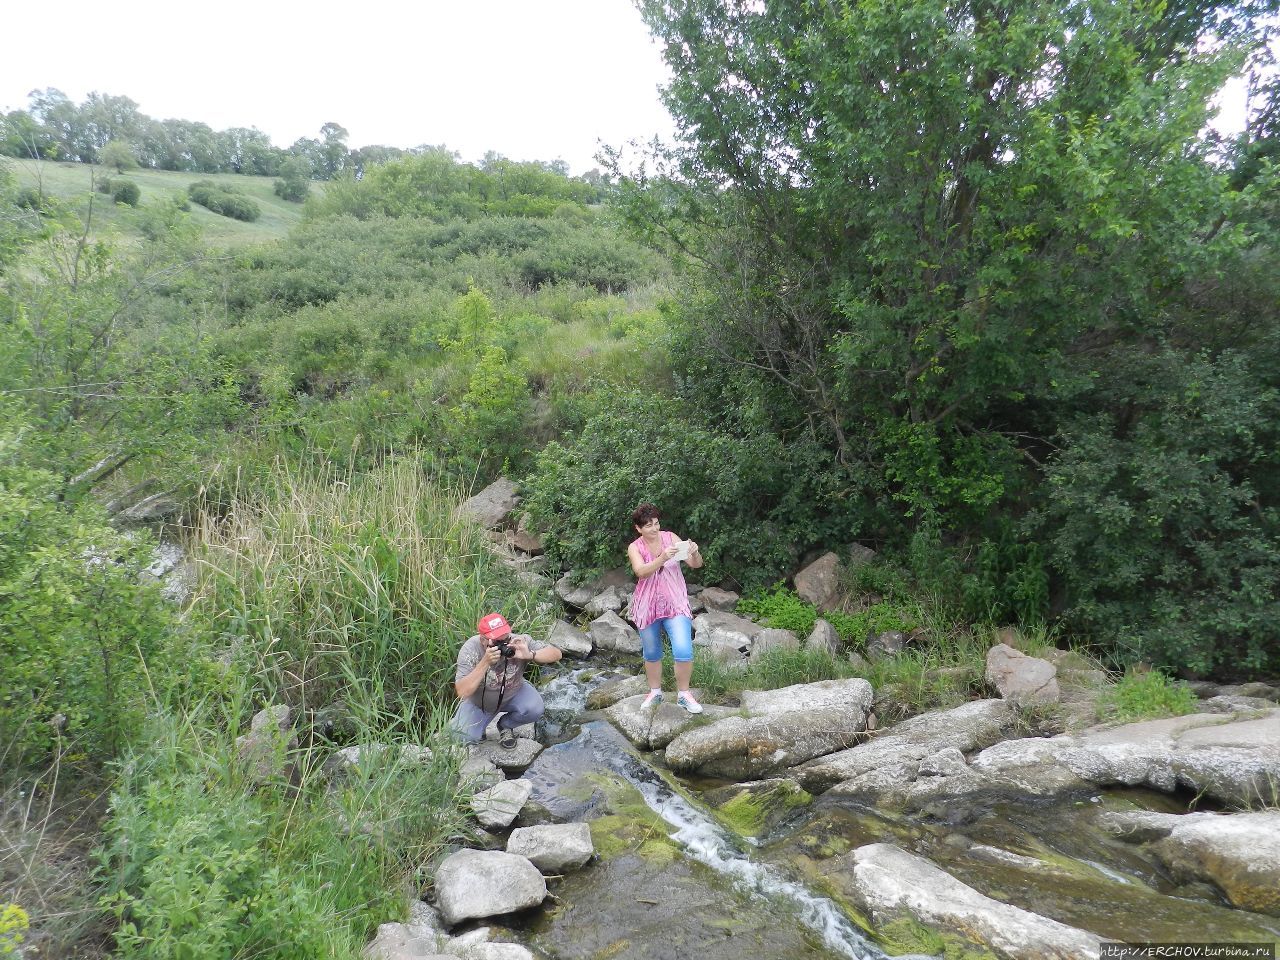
(71, 183)
(1148, 695)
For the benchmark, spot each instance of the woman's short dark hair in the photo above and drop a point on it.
(644, 513)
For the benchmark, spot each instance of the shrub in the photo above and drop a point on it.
(80, 631)
(126, 192)
(781, 608)
(224, 200)
(1146, 694)
(29, 198)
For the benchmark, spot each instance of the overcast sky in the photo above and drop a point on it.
(531, 79)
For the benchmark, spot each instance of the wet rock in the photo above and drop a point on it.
(612, 691)
(654, 728)
(754, 808)
(1230, 760)
(781, 728)
(713, 598)
(1239, 853)
(610, 632)
(823, 639)
(819, 582)
(492, 505)
(570, 639)
(518, 757)
(473, 884)
(890, 885)
(771, 638)
(968, 727)
(556, 848)
(497, 807)
(1021, 679)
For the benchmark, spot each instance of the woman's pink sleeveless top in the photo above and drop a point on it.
(663, 593)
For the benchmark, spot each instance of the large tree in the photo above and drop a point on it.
(925, 231)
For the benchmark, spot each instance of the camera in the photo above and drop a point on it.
(503, 646)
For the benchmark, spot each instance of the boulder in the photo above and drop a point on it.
(657, 726)
(823, 639)
(947, 762)
(726, 636)
(885, 646)
(1020, 678)
(492, 505)
(471, 884)
(890, 885)
(610, 692)
(968, 727)
(1239, 853)
(518, 757)
(610, 632)
(1235, 761)
(479, 773)
(612, 599)
(555, 848)
(569, 639)
(771, 638)
(713, 598)
(819, 582)
(526, 541)
(497, 807)
(859, 556)
(267, 745)
(777, 729)
(571, 593)
(397, 941)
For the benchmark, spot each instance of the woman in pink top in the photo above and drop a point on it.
(661, 603)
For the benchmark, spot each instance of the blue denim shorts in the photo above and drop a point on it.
(679, 631)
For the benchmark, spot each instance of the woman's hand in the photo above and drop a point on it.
(668, 554)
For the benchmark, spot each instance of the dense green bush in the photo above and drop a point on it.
(225, 200)
(81, 632)
(126, 192)
(750, 502)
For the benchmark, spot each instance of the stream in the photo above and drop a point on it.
(671, 880)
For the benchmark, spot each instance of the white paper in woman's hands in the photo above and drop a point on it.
(682, 549)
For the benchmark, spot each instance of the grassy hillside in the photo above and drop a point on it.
(72, 182)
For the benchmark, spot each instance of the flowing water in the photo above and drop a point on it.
(671, 881)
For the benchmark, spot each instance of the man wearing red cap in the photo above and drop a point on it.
(490, 680)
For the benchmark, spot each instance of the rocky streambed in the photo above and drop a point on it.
(782, 827)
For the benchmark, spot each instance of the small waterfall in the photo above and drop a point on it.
(706, 841)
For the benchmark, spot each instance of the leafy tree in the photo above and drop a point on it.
(295, 180)
(118, 154)
(932, 226)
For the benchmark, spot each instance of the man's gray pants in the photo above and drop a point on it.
(523, 706)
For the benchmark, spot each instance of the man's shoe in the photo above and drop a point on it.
(685, 699)
(507, 738)
(652, 700)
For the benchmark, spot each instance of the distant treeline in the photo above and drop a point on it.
(53, 127)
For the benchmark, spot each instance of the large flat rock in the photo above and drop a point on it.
(890, 884)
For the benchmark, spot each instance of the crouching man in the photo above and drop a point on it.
(490, 680)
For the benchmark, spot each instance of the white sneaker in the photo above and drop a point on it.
(685, 699)
(652, 700)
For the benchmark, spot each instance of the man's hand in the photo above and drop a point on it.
(491, 657)
(520, 647)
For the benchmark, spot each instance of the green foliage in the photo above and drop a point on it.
(225, 200)
(747, 500)
(126, 192)
(781, 608)
(295, 180)
(81, 633)
(772, 670)
(360, 586)
(1143, 695)
(986, 309)
(202, 865)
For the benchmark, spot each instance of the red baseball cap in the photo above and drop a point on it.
(492, 626)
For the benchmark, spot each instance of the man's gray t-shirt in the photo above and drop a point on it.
(487, 694)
